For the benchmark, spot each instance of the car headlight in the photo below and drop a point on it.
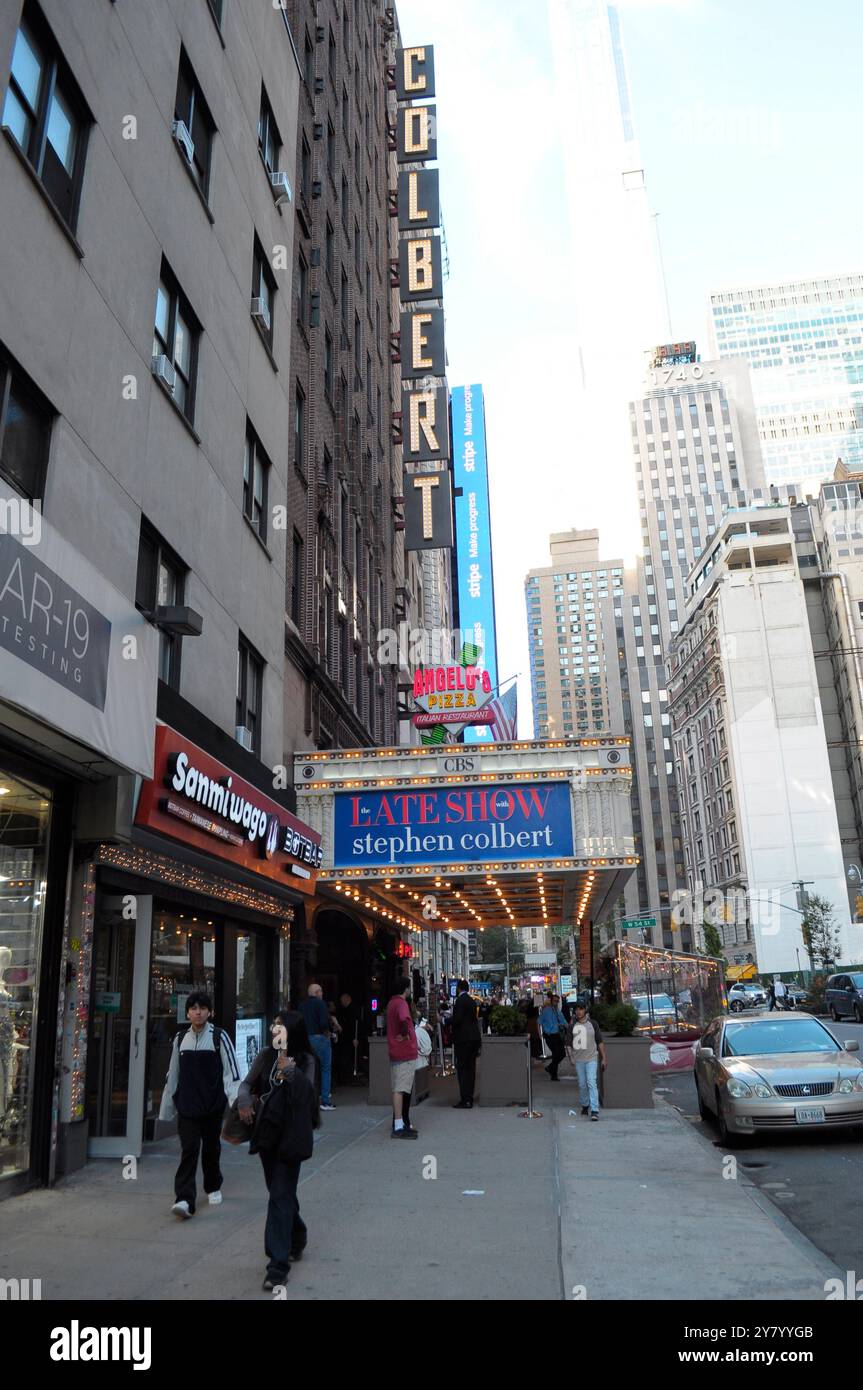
(738, 1088)
(848, 1084)
(762, 1089)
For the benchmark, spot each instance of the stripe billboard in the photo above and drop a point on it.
(473, 536)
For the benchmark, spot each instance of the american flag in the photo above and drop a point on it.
(504, 711)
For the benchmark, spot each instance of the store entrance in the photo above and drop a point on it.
(117, 1046)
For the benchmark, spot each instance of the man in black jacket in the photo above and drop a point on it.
(466, 1041)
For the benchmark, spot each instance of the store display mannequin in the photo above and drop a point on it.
(7, 1033)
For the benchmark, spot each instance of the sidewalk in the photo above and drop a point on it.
(634, 1207)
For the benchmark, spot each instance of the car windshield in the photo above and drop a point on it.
(769, 1036)
(857, 981)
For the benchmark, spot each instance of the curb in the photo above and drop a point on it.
(765, 1206)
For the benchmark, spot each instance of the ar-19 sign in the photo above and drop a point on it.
(425, 413)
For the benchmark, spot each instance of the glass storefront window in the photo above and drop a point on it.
(184, 958)
(252, 958)
(24, 827)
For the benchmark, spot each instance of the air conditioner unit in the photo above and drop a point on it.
(163, 370)
(261, 312)
(243, 736)
(180, 132)
(282, 191)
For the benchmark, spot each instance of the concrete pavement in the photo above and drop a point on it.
(483, 1206)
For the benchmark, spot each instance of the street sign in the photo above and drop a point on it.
(645, 923)
(540, 958)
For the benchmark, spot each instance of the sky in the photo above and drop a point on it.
(749, 119)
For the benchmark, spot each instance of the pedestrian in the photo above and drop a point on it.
(587, 1048)
(467, 1041)
(347, 1047)
(403, 1053)
(771, 996)
(553, 1025)
(203, 1077)
(286, 1141)
(316, 1017)
(780, 994)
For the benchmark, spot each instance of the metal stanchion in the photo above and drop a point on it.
(529, 1113)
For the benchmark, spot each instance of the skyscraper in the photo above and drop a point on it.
(803, 341)
(696, 451)
(615, 285)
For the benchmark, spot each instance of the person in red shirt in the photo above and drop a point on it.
(403, 1050)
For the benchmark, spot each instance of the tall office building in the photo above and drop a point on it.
(571, 607)
(614, 282)
(803, 341)
(696, 452)
(765, 787)
(349, 575)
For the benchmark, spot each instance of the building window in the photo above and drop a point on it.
(309, 62)
(256, 469)
(263, 293)
(45, 113)
(305, 169)
(331, 54)
(175, 343)
(217, 10)
(344, 202)
(330, 251)
(302, 287)
(161, 583)
(328, 365)
(331, 146)
(250, 679)
(191, 108)
(300, 429)
(269, 140)
(25, 431)
(297, 579)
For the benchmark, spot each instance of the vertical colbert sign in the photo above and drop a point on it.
(425, 408)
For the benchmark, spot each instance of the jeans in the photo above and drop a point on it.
(204, 1131)
(285, 1232)
(324, 1053)
(587, 1087)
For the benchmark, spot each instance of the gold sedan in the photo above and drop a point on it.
(776, 1072)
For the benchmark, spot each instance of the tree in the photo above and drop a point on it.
(492, 945)
(821, 935)
(712, 939)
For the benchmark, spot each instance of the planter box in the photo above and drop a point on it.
(380, 1092)
(503, 1065)
(626, 1082)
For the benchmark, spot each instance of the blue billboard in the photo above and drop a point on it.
(448, 825)
(473, 536)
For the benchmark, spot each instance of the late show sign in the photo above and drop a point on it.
(197, 800)
(447, 825)
(428, 509)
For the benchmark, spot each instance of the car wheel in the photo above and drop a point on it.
(727, 1138)
(858, 1012)
(833, 1014)
(736, 1006)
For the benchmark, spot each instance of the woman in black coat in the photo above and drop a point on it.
(285, 1235)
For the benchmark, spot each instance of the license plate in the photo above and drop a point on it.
(809, 1114)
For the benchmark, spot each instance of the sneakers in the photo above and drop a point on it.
(404, 1133)
(594, 1114)
(329, 1105)
(183, 1210)
(584, 1110)
(273, 1281)
(215, 1199)
(296, 1254)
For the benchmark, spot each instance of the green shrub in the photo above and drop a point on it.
(622, 1020)
(506, 1021)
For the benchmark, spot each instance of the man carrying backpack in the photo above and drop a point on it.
(203, 1078)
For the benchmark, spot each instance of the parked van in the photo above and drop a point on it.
(843, 995)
